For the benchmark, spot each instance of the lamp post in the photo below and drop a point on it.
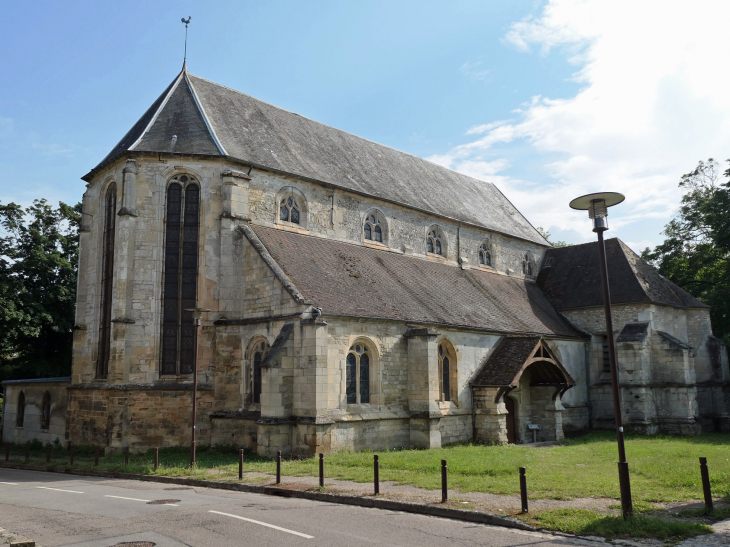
(197, 315)
(597, 206)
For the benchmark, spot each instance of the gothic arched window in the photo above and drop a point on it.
(375, 227)
(485, 255)
(46, 411)
(257, 353)
(181, 276)
(448, 373)
(291, 207)
(289, 210)
(20, 412)
(358, 374)
(107, 278)
(435, 241)
(528, 264)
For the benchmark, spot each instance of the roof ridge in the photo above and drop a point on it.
(153, 119)
(207, 121)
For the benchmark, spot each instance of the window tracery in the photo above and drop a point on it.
(289, 210)
(107, 279)
(358, 374)
(291, 207)
(448, 372)
(375, 227)
(181, 276)
(435, 241)
(485, 254)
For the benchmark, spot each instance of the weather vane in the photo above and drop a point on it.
(186, 22)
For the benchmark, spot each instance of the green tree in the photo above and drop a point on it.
(38, 263)
(544, 233)
(696, 252)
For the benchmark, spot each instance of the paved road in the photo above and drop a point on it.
(56, 509)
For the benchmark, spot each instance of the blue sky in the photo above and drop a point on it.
(548, 100)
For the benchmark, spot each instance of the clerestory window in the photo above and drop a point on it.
(374, 228)
(289, 210)
(485, 255)
(107, 278)
(435, 241)
(358, 375)
(528, 265)
(181, 276)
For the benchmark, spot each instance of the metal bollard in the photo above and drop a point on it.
(706, 483)
(376, 474)
(7, 452)
(48, 453)
(321, 470)
(444, 484)
(70, 454)
(157, 457)
(27, 451)
(278, 467)
(523, 489)
(126, 455)
(240, 464)
(96, 456)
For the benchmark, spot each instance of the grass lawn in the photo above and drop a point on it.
(663, 469)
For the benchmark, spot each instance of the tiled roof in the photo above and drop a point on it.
(503, 364)
(211, 119)
(573, 279)
(357, 281)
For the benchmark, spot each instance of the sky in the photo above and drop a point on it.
(549, 100)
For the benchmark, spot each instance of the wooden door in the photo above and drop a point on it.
(510, 403)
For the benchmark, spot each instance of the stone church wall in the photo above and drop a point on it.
(32, 428)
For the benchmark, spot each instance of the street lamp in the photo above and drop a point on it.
(197, 315)
(597, 206)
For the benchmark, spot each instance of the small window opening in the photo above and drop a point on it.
(606, 360)
(433, 243)
(372, 230)
(20, 416)
(46, 411)
(485, 256)
(289, 210)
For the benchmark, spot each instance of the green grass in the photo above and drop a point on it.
(718, 513)
(590, 523)
(663, 469)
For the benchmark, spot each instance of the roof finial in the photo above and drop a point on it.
(185, 58)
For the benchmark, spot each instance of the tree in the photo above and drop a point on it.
(696, 252)
(544, 233)
(38, 264)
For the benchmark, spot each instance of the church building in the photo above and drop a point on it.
(358, 296)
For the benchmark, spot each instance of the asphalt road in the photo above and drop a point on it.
(55, 509)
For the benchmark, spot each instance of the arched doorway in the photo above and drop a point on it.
(509, 402)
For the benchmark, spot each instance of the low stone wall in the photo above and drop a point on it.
(456, 428)
(32, 428)
(239, 430)
(137, 416)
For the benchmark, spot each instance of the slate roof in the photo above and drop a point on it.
(503, 364)
(356, 281)
(573, 279)
(210, 119)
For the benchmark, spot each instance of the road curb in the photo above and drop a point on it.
(372, 502)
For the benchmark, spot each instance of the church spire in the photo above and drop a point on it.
(185, 56)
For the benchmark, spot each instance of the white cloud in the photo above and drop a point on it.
(655, 101)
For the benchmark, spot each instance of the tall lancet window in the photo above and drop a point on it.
(107, 278)
(181, 275)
